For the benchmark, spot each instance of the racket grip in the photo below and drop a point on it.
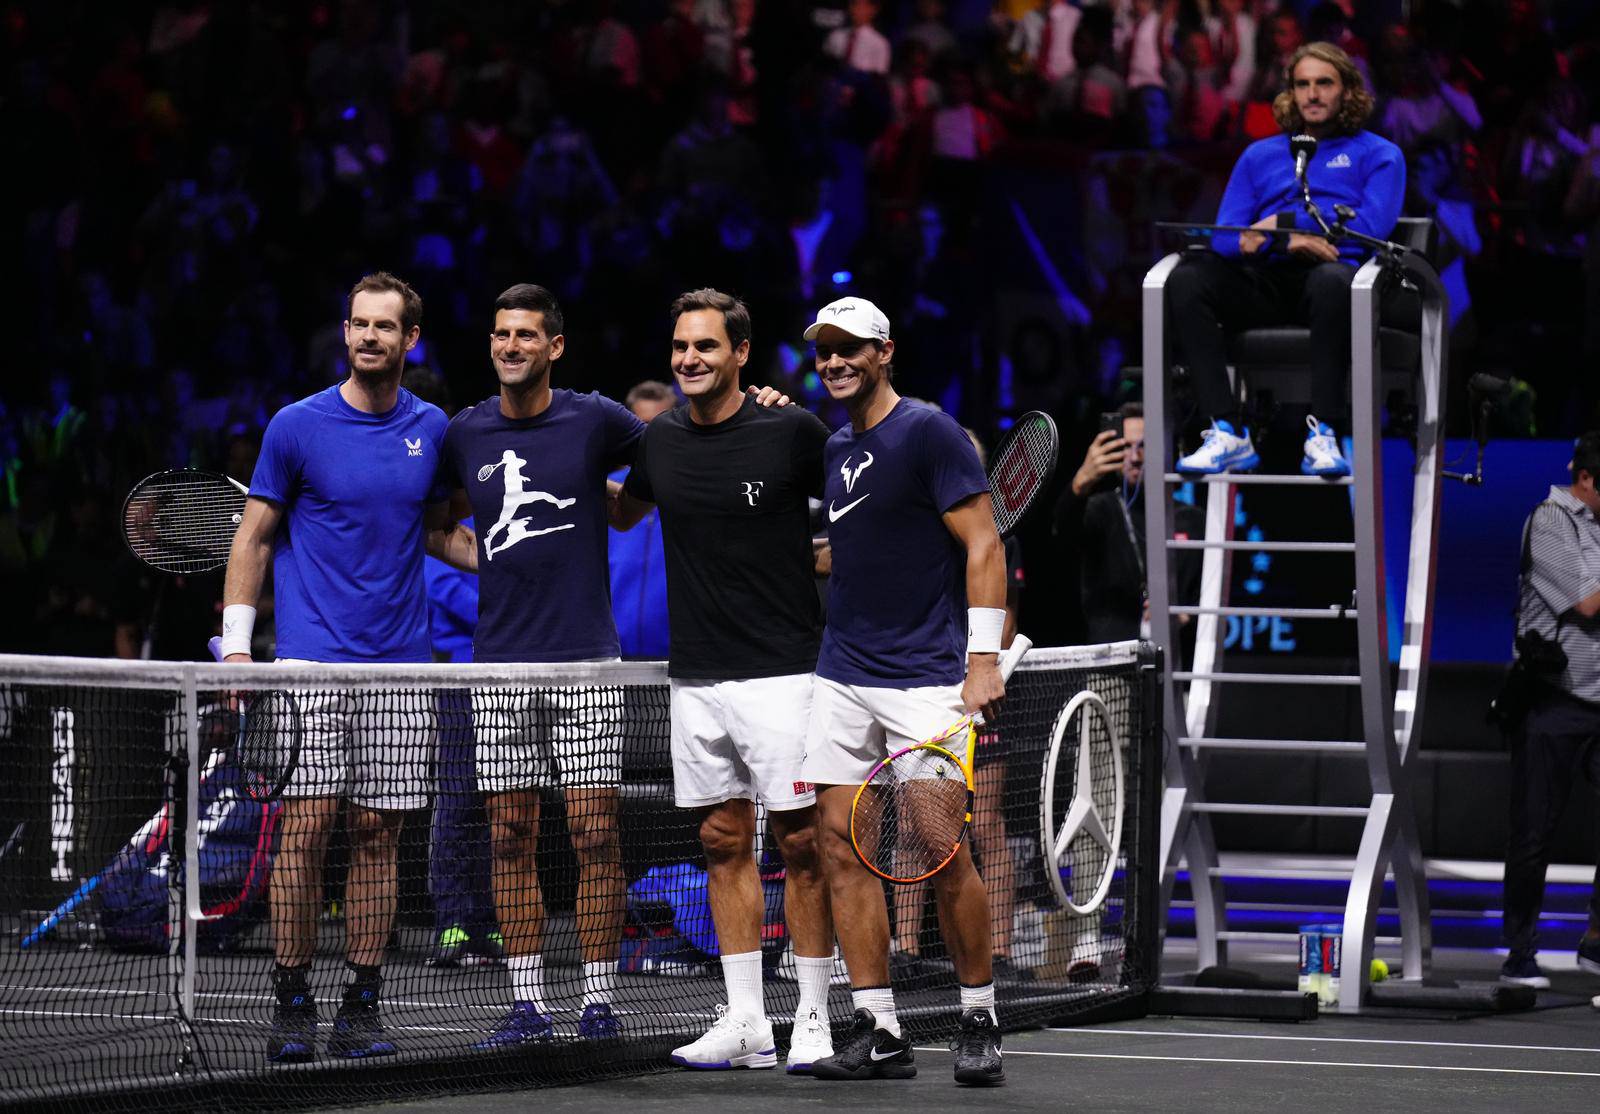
(215, 646)
(1020, 645)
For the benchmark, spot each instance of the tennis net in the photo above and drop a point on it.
(137, 960)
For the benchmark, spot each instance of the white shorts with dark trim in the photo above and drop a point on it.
(854, 727)
(373, 746)
(741, 739)
(537, 737)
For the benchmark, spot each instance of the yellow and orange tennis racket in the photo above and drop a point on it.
(911, 814)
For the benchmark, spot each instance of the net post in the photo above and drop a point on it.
(187, 756)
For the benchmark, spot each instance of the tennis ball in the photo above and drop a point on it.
(1380, 970)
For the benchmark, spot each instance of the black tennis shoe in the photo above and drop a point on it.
(293, 1039)
(868, 1052)
(357, 1030)
(977, 1049)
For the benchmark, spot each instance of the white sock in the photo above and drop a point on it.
(813, 973)
(880, 1000)
(597, 982)
(979, 998)
(742, 973)
(527, 979)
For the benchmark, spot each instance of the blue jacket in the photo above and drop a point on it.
(639, 586)
(1363, 171)
(452, 608)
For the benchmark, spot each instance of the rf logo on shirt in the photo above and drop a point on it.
(752, 490)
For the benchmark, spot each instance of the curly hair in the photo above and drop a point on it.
(1357, 106)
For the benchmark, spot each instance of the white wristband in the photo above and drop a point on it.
(238, 625)
(985, 627)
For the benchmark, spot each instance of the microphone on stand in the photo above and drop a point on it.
(1302, 146)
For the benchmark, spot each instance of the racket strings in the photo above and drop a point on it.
(910, 817)
(183, 523)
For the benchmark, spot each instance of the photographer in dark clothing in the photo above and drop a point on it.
(1101, 513)
(1557, 736)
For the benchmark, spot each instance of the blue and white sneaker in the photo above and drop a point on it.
(523, 1025)
(1221, 450)
(733, 1041)
(1323, 456)
(599, 1023)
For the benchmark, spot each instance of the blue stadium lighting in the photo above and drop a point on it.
(840, 278)
(1006, 423)
(349, 113)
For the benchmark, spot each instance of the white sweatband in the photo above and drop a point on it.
(238, 625)
(985, 627)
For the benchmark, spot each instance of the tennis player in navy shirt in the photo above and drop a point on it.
(344, 500)
(1255, 280)
(916, 608)
(532, 461)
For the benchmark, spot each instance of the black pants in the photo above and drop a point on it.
(1210, 296)
(1559, 740)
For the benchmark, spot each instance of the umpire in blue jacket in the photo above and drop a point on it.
(1253, 280)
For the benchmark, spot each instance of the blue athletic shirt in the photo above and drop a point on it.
(538, 493)
(347, 560)
(1363, 171)
(897, 599)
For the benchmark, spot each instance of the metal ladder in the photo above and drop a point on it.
(1390, 707)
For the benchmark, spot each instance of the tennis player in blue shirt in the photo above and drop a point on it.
(344, 500)
(1255, 280)
(916, 607)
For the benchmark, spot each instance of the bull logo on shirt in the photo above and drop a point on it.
(851, 475)
(509, 527)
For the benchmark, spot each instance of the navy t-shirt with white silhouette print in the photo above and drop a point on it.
(347, 558)
(538, 492)
(897, 598)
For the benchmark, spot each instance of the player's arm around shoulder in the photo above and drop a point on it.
(449, 539)
(971, 523)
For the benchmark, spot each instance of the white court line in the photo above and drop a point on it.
(1318, 1040)
(1288, 1063)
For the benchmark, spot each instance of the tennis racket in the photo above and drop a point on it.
(183, 521)
(910, 816)
(267, 749)
(269, 735)
(1020, 468)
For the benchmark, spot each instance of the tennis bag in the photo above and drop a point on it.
(238, 838)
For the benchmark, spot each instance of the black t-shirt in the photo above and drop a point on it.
(737, 535)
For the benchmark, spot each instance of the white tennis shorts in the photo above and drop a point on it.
(373, 746)
(565, 736)
(741, 740)
(854, 727)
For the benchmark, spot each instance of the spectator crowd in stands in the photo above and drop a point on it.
(194, 184)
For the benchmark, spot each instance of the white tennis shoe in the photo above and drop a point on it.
(1221, 450)
(733, 1041)
(1322, 455)
(811, 1041)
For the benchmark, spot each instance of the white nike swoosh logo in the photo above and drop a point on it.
(886, 1055)
(836, 515)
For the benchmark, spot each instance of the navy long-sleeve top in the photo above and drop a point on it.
(1363, 171)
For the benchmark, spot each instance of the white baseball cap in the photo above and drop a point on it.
(856, 316)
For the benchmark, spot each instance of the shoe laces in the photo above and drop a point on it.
(976, 1039)
(725, 1021)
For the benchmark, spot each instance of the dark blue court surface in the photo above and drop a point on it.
(1548, 1058)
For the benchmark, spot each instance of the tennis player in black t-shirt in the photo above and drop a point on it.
(732, 479)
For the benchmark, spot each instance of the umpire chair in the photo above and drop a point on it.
(1390, 703)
